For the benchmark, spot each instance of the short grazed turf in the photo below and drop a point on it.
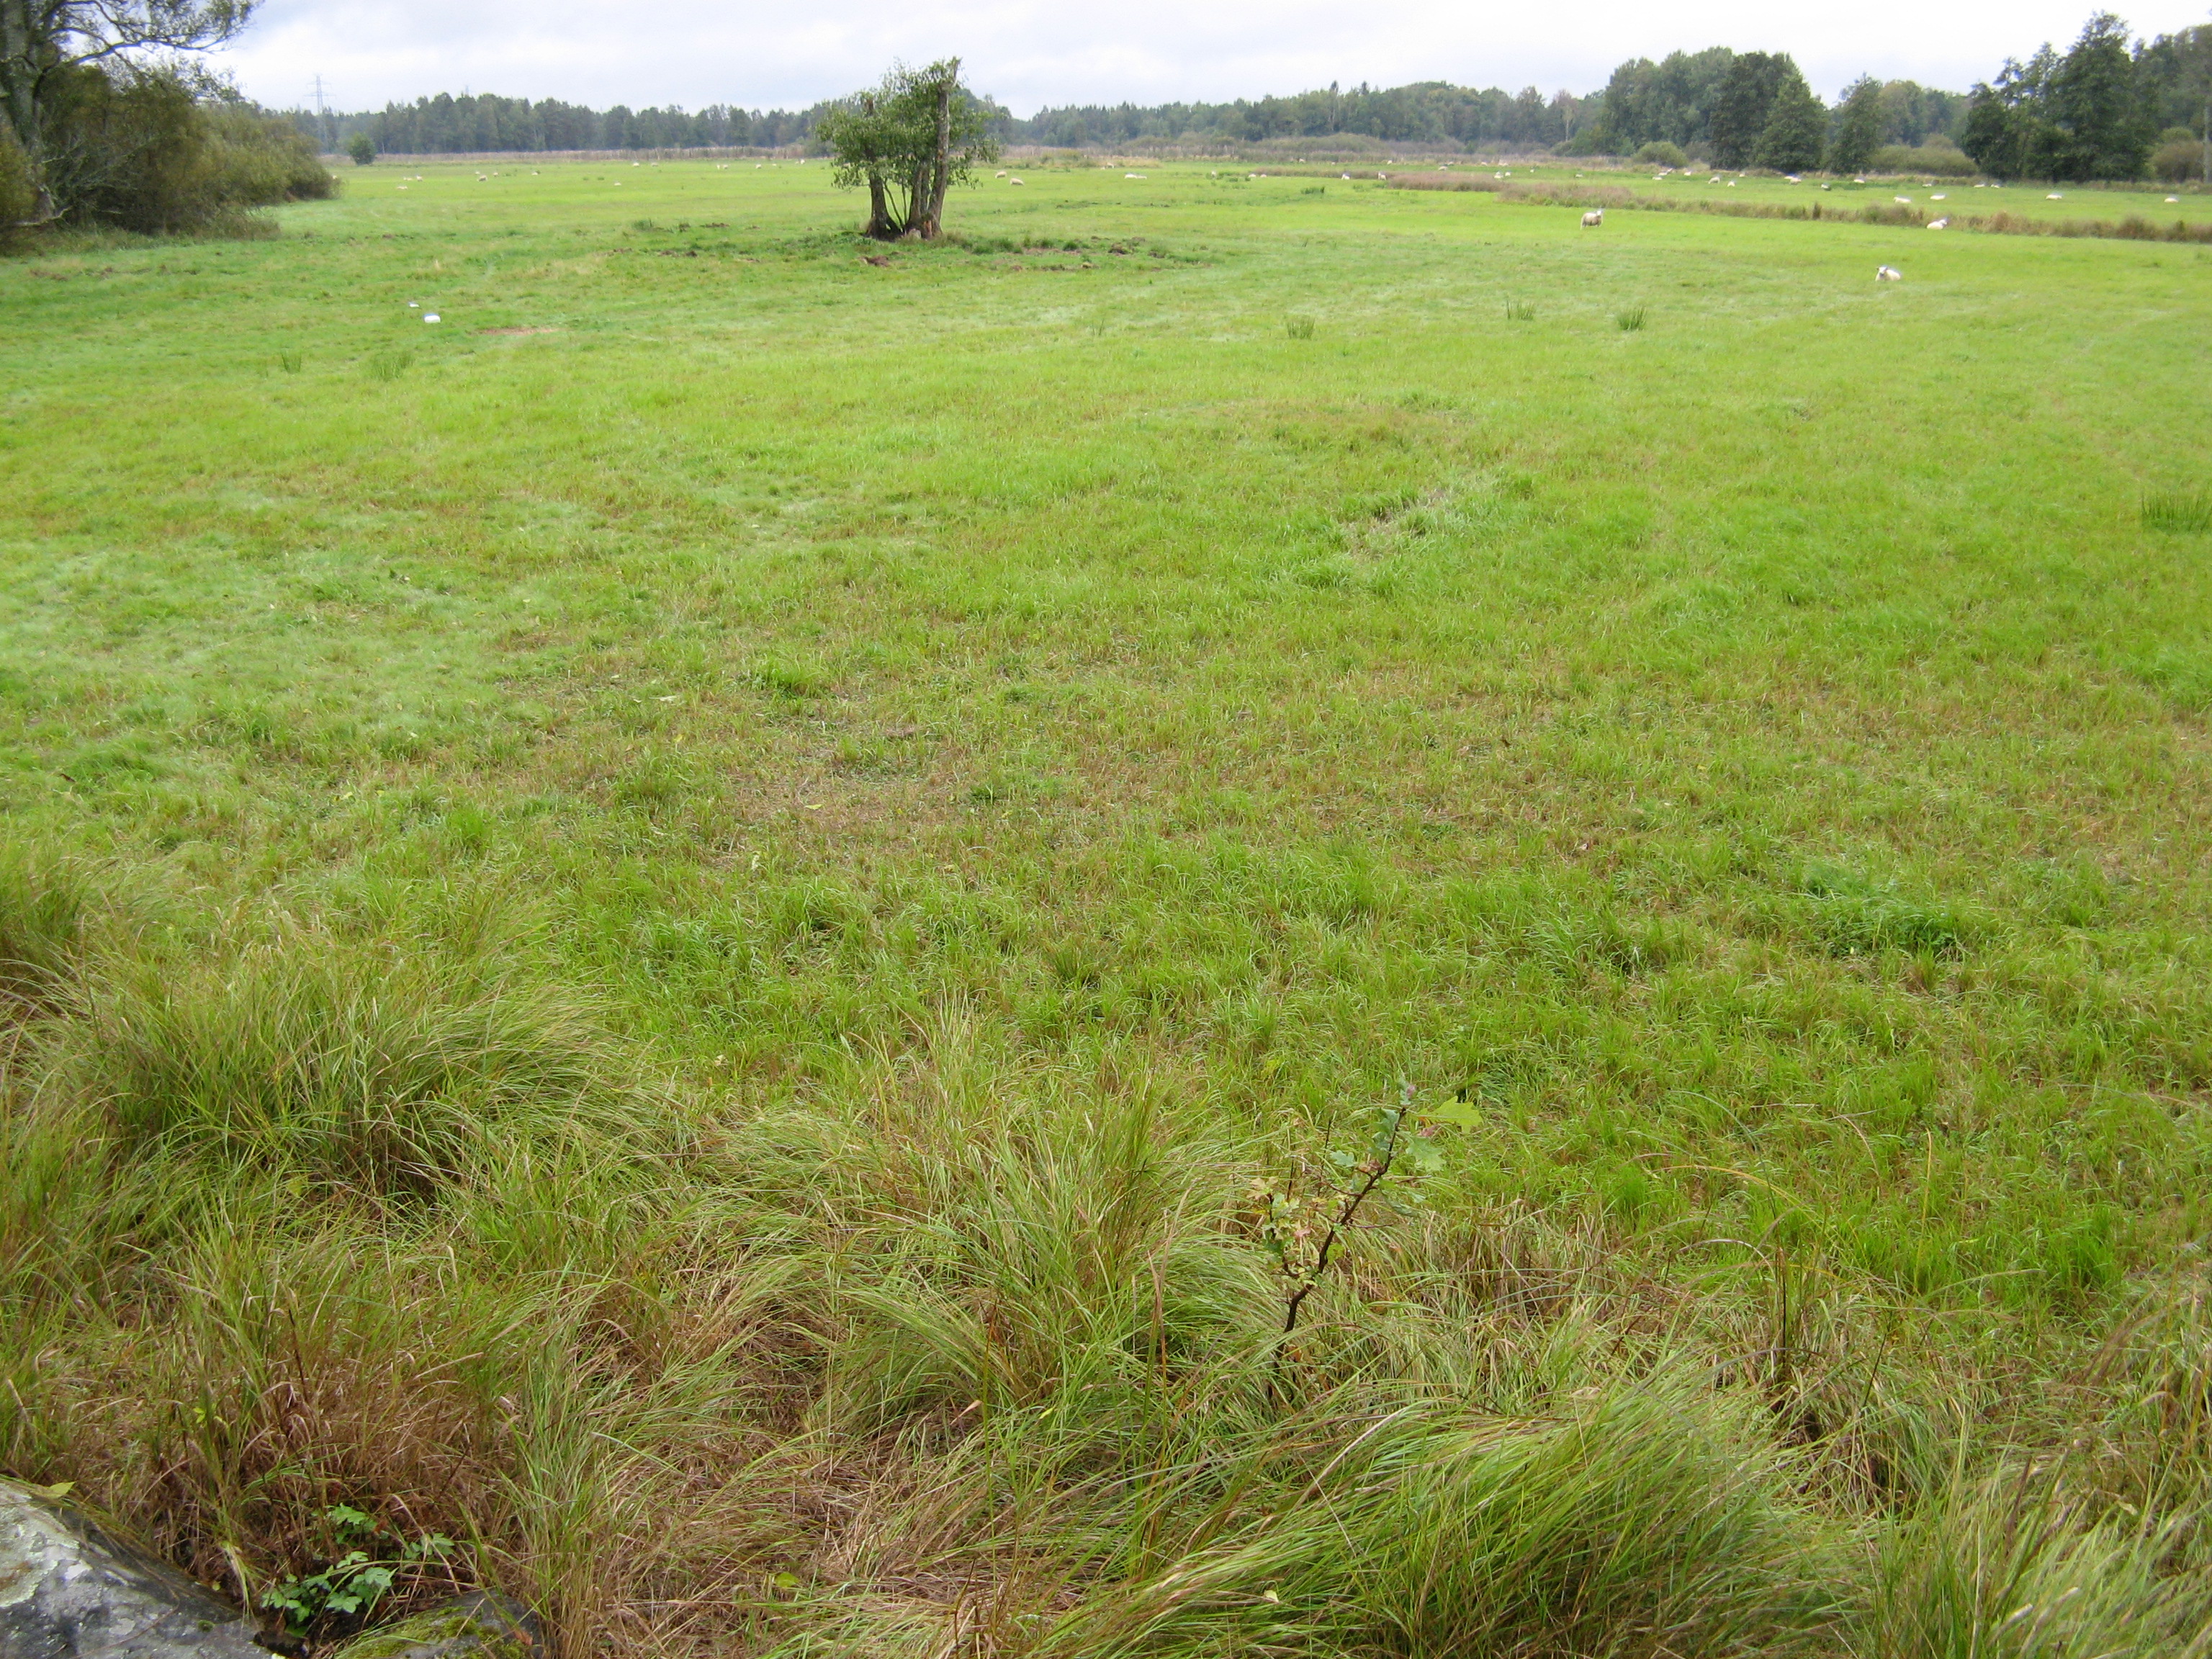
(981, 756)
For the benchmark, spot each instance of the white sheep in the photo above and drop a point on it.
(1593, 219)
(1905, 200)
(1887, 274)
(1939, 224)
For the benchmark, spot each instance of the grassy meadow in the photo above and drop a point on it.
(717, 925)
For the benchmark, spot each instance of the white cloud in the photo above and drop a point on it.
(1029, 53)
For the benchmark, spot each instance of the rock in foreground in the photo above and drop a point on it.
(70, 1591)
(481, 1624)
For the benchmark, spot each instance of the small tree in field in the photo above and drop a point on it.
(909, 140)
(363, 148)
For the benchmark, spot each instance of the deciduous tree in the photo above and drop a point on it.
(909, 140)
(42, 43)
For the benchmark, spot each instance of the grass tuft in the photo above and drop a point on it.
(1631, 319)
(380, 1066)
(2181, 512)
(1298, 327)
(46, 910)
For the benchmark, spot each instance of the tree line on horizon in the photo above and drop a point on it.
(2103, 109)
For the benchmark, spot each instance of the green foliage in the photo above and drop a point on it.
(1745, 102)
(1940, 161)
(1856, 133)
(1796, 129)
(373, 1562)
(1629, 320)
(363, 148)
(907, 141)
(2178, 158)
(1298, 327)
(139, 152)
(19, 199)
(1659, 152)
(2080, 117)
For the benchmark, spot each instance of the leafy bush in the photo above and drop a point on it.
(1944, 160)
(17, 199)
(1661, 154)
(140, 152)
(363, 148)
(2179, 156)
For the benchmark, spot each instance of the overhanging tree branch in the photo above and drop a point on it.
(41, 39)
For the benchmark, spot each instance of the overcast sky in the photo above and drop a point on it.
(1034, 52)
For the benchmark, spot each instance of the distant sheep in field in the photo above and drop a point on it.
(1593, 219)
(1887, 274)
(1939, 224)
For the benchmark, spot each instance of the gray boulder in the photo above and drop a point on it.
(481, 1624)
(70, 1591)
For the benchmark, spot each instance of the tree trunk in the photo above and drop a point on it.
(879, 209)
(941, 175)
(19, 103)
(917, 203)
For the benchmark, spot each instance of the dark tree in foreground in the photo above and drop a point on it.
(47, 45)
(909, 140)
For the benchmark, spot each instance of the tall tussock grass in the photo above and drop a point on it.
(956, 1344)
(367, 1065)
(49, 909)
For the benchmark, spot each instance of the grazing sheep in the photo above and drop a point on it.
(1905, 200)
(1593, 219)
(2054, 196)
(1887, 274)
(1013, 181)
(1938, 224)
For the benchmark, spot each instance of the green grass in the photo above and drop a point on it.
(680, 926)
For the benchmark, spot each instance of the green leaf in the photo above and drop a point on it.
(1464, 1113)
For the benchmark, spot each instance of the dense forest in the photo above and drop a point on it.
(2105, 108)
